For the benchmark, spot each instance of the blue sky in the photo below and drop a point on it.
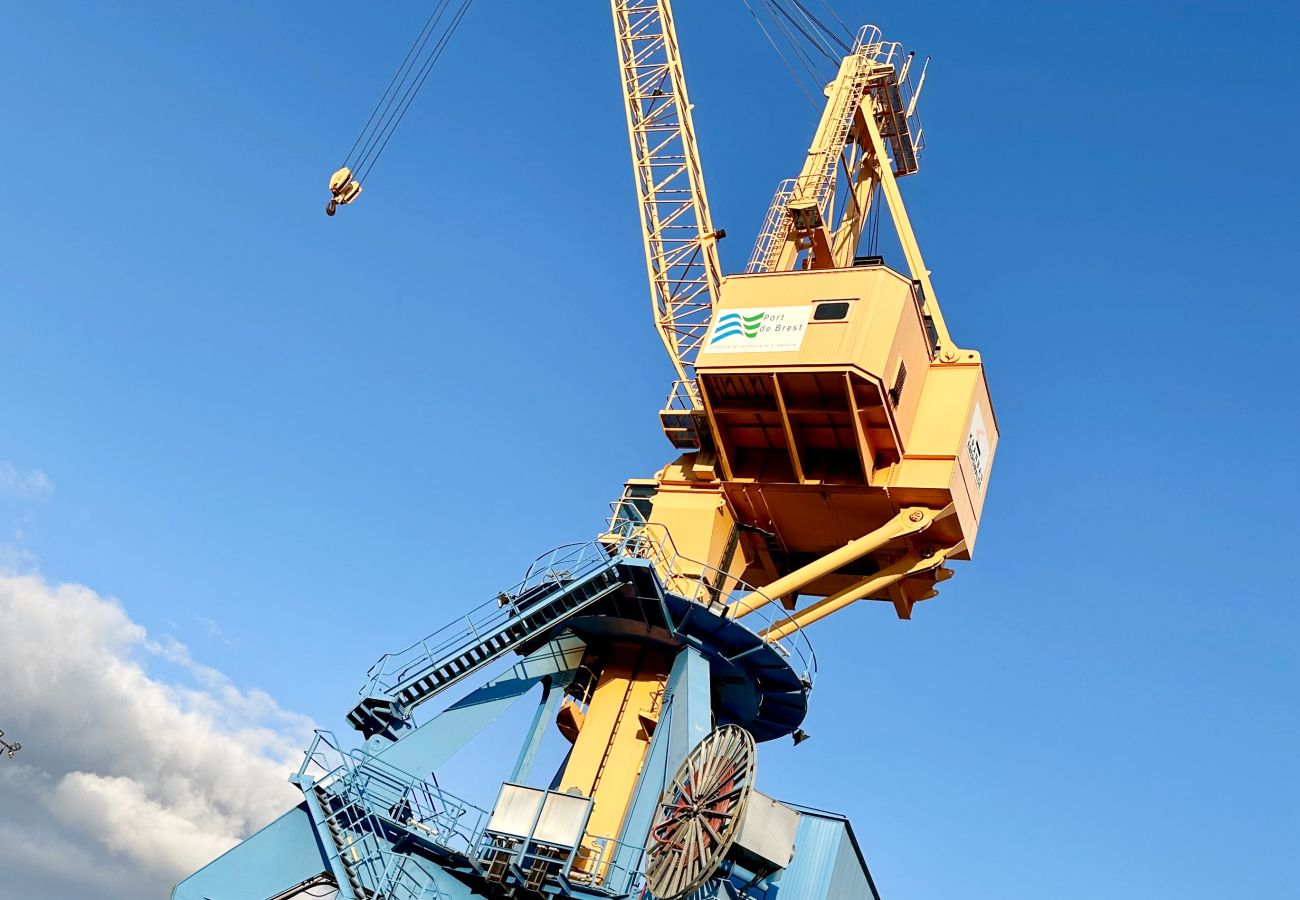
(293, 443)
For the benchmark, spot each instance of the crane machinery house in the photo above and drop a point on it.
(833, 443)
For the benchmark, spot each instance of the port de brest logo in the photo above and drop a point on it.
(759, 330)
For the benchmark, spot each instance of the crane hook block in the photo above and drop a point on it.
(349, 193)
(339, 179)
(343, 189)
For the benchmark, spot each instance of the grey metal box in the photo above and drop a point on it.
(766, 838)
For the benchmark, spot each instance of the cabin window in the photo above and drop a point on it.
(831, 311)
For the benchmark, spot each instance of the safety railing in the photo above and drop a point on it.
(609, 864)
(870, 45)
(684, 396)
(565, 564)
(682, 415)
(323, 760)
(816, 186)
(416, 803)
(356, 825)
(367, 798)
(875, 59)
(703, 584)
(880, 53)
(775, 226)
(630, 536)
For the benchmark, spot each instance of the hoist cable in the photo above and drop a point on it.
(789, 68)
(395, 103)
(799, 52)
(785, 13)
(873, 223)
(399, 76)
(812, 33)
(828, 35)
(848, 32)
(413, 89)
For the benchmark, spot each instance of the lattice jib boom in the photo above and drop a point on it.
(680, 243)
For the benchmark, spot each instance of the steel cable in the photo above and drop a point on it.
(399, 76)
(368, 161)
(780, 53)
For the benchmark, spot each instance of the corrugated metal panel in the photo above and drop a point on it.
(826, 864)
(849, 880)
(816, 844)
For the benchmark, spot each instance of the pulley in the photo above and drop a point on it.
(343, 190)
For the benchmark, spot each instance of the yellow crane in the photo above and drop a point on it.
(835, 442)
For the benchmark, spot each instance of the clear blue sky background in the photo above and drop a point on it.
(295, 443)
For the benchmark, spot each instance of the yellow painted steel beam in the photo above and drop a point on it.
(609, 750)
(947, 350)
(913, 563)
(908, 521)
(795, 463)
(863, 180)
(866, 452)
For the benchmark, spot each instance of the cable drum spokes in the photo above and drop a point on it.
(700, 813)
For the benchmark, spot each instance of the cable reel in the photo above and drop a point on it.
(700, 813)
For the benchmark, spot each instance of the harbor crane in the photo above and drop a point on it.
(833, 445)
(8, 748)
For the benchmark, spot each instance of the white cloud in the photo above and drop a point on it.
(34, 483)
(119, 810)
(156, 775)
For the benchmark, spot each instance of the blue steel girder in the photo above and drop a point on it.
(427, 747)
(685, 720)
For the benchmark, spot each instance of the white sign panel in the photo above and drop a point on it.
(977, 447)
(771, 329)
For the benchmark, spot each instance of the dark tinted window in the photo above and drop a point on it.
(831, 312)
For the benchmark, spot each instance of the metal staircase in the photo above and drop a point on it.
(557, 587)
(813, 189)
(344, 848)
(381, 823)
(370, 867)
(388, 831)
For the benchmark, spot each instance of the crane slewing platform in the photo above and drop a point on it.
(834, 445)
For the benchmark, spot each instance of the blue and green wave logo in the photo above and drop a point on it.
(732, 324)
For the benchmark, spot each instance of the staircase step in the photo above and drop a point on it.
(546, 605)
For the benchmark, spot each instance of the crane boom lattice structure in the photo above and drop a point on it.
(835, 448)
(680, 242)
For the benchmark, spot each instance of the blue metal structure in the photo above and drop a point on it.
(374, 821)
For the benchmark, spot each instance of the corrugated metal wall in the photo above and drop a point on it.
(826, 863)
